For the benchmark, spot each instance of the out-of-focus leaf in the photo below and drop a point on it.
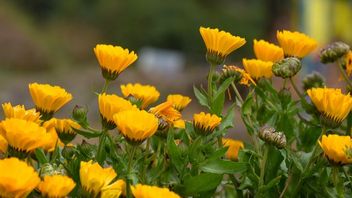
(223, 167)
(202, 183)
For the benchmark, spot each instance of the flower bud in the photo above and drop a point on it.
(230, 72)
(270, 136)
(68, 152)
(313, 80)
(333, 52)
(287, 68)
(79, 114)
(48, 169)
(88, 150)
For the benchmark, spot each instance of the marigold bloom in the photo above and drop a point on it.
(266, 51)
(48, 99)
(20, 112)
(56, 186)
(234, 147)
(114, 190)
(144, 94)
(179, 101)
(166, 111)
(52, 140)
(93, 177)
(3, 144)
(335, 148)
(180, 124)
(295, 43)
(348, 63)
(17, 178)
(205, 124)
(113, 60)
(64, 128)
(332, 103)
(145, 191)
(136, 125)
(258, 68)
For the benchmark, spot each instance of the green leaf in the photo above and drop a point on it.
(174, 152)
(223, 87)
(202, 183)
(40, 155)
(86, 133)
(223, 167)
(202, 99)
(218, 153)
(271, 184)
(218, 104)
(247, 105)
(227, 122)
(273, 163)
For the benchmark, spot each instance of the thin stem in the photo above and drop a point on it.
(101, 147)
(128, 182)
(344, 75)
(295, 88)
(337, 181)
(346, 175)
(237, 93)
(144, 173)
(286, 186)
(106, 85)
(210, 83)
(263, 164)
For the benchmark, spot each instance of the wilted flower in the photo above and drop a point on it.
(258, 68)
(271, 136)
(266, 51)
(237, 73)
(140, 94)
(313, 80)
(56, 186)
(287, 68)
(219, 44)
(295, 43)
(114, 190)
(166, 113)
(178, 101)
(20, 112)
(205, 124)
(335, 148)
(333, 52)
(145, 191)
(113, 60)
(234, 147)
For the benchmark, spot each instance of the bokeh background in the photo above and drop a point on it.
(52, 41)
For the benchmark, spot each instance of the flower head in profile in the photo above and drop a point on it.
(295, 43)
(166, 113)
(332, 104)
(48, 99)
(145, 191)
(219, 44)
(17, 178)
(348, 63)
(114, 190)
(266, 51)
(3, 145)
(94, 178)
(113, 60)
(136, 125)
(178, 101)
(20, 112)
(336, 148)
(56, 186)
(180, 124)
(258, 68)
(234, 147)
(238, 74)
(144, 95)
(64, 128)
(205, 124)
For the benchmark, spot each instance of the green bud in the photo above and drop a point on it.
(87, 150)
(313, 80)
(333, 52)
(287, 68)
(68, 152)
(79, 114)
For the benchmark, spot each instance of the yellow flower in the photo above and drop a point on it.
(56, 186)
(219, 44)
(17, 179)
(179, 101)
(24, 135)
(94, 178)
(295, 43)
(144, 94)
(348, 63)
(234, 147)
(180, 124)
(258, 68)
(64, 128)
(333, 104)
(144, 191)
(48, 99)
(205, 124)
(52, 140)
(266, 51)
(20, 112)
(166, 111)
(113, 60)
(114, 190)
(3, 145)
(136, 125)
(245, 77)
(336, 147)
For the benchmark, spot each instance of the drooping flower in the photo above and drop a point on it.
(166, 113)
(295, 43)
(219, 44)
(332, 104)
(20, 112)
(114, 190)
(94, 178)
(17, 178)
(239, 74)
(56, 186)
(266, 51)
(258, 68)
(145, 191)
(348, 63)
(336, 148)
(205, 124)
(140, 94)
(136, 125)
(113, 60)
(234, 147)
(3, 144)
(64, 128)
(179, 101)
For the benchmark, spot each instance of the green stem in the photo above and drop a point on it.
(101, 146)
(128, 181)
(284, 84)
(338, 183)
(296, 89)
(263, 164)
(237, 93)
(210, 83)
(347, 176)
(144, 173)
(344, 75)
(106, 85)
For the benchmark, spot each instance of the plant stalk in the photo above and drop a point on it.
(128, 182)
(210, 84)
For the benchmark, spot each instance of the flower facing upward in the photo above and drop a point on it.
(94, 178)
(47, 98)
(166, 111)
(17, 178)
(336, 148)
(114, 190)
(348, 63)
(219, 44)
(258, 68)
(20, 112)
(234, 147)
(113, 60)
(142, 94)
(145, 191)
(136, 125)
(295, 43)
(205, 124)
(333, 104)
(64, 128)
(266, 51)
(3, 144)
(179, 101)
(56, 186)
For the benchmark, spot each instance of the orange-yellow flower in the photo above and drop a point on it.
(234, 147)
(64, 128)
(166, 111)
(144, 191)
(114, 190)
(3, 144)
(205, 124)
(266, 51)
(143, 94)
(20, 112)
(258, 68)
(56, 186)
(178, 101)
(180, 124)
(336, 148)
(233, 71)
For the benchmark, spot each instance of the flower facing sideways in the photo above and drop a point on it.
(145, 191)
(336, 148)
(56, 186)
(205, 124)
(144, 95)
(234, 147)
(178, 101)
(258, 68)
(20, 112)
(266, 51)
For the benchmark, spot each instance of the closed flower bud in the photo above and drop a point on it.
(313, 80)
(333, 52)
(68, 152)
(88, 150)
(287, 67)
(270, 136)
(79, 114)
